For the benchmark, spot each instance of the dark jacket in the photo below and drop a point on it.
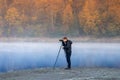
(67, 45)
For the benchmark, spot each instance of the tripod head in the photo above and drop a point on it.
(60, 40)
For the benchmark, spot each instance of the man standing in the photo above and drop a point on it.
(67, 46)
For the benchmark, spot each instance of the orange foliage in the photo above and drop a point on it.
(67, 17)
(89, 16)
(114, 9)
(13, 16)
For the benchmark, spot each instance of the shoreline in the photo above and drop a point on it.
(61, 74)
(80, 39)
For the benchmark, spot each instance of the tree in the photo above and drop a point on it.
(90, 18)
(67, 18)
(13, 17)
(1, 26)
(77, 6)
(79, 17)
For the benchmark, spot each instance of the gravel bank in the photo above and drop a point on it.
(61, 74)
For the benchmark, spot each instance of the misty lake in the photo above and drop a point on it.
(28, 55)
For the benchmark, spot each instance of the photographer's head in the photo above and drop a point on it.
(65, 39)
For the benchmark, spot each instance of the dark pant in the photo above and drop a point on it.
(68, 56)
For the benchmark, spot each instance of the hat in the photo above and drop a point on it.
(65, 38)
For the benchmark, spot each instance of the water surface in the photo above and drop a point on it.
(27, 55)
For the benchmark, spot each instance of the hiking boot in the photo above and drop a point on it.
(67, 68)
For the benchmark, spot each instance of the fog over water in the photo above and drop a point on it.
(28, 55)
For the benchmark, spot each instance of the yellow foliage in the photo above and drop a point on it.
(67, 15)
(114, 9)
(0, 4)
(34, 18)
(1, 21)
(95, 16)
(89, 17)
(1, 25)
(13, 16)
(23, 18)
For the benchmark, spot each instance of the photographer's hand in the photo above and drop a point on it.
(61, 40)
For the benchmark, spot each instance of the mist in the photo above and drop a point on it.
(28, 55)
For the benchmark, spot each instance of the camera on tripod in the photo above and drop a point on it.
(60, 40)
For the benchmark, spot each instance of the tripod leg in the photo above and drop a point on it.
(57, 57)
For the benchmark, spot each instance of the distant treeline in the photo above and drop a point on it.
(37, 18)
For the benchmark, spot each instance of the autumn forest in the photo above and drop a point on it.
(38, 18)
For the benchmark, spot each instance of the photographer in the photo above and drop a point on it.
(67, 46)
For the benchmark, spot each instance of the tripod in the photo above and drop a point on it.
(57, 57)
